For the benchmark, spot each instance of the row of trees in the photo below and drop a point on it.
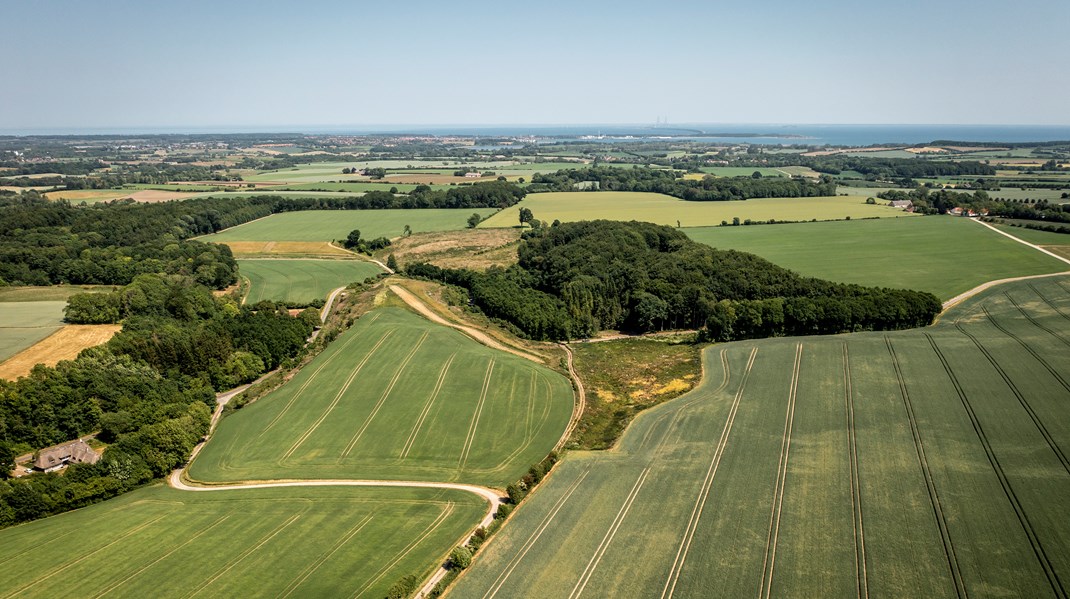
(666, 181)
(575, 279)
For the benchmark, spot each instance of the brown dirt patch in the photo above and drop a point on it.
(155, 195)
(472, 248)
(76, 195)
(277, 249)
(64, 344)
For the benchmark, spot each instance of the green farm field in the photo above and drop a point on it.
(328, 225)
(923, 463)
(332, 171)
(23, 323)
(665, 210)
(283, 542)
(397, 397)
(940, 254)
(301, 281)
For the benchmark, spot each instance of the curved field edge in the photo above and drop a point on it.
(278, 542)
(396, 397)
(799, 476)
(301, 281)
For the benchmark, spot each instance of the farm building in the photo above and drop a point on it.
(904, 204)
(61, 456)
(471, 175)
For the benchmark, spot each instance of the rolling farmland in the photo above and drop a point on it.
(301, 281)
(328, 225)
(665, 210)
(923, 463)
(338, 542)
(942, 255)
(397, 397)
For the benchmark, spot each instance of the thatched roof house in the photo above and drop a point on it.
(61, 456)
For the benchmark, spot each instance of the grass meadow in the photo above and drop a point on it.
(397, 397)
(666, 210)
(940, 254)
(923, 463)
(328, 225)
(23, 323)
(301, 281)
(285, 542)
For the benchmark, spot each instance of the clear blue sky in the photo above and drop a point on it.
(149, 63)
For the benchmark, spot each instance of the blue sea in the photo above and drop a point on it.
(760, 133)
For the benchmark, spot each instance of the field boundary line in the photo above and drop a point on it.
(73, 563)
(382, 398)
(513, 563)
(244, 554)
(427, 407)
(161, 558)
(308, 382)
(471, 438)
(600, 551)
(303, 576)
(856, 489)
(431, 528)
(930, 484)
(704, 490)
(1023, 242)
(773, 536)
(337, 397)
(1037, 422)
(1008, 489)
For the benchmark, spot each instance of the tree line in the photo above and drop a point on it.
(575, 279)
(148, 391)
(666, 181)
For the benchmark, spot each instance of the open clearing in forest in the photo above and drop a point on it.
(23, 323)
(287, 249)
(301, 281)
(941, 254)
(397, 397)
(64, 344)
(797, 465)
(290, 542)
(329, 225)
(666, 210)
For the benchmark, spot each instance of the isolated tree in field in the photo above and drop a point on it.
(756, 175)
(353, 239)
(474, 220)
(525, 216)
(406, 231)
(392, 262)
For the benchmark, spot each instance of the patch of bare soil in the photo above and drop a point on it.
(477, 249)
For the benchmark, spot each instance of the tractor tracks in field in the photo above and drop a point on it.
(1008, 490)
(856, 488)
(930, 484)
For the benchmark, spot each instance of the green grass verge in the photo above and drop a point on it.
(301, 281)
(938, 456)
(24, 323)
(328, 225)
(397, 397)
(940, 254)
(53, 293)
(160, 542)
(666, 210)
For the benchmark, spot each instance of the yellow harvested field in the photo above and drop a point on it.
(77, 195)
(64, 344)
(287, 248)
(156, 195)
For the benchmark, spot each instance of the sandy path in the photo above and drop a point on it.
(581, 400)
(476, 334)
(972, 292)
(330, 301)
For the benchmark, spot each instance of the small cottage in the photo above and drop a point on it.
(56, 457)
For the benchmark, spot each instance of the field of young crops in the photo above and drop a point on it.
(301, 281)
(290, 542)
(397, 397)
(329, 225)
(944, 255)
(923, 463)
(23, 323)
